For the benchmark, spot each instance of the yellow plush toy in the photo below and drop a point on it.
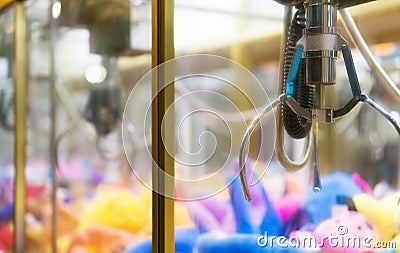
(116, 207)
(109, 222)
(396, 242)
(115, 218)
(380, 213)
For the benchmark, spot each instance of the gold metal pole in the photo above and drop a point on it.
(20, 79)
(52, 134)
(162, 132)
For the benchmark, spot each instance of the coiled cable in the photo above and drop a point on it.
(296, 126)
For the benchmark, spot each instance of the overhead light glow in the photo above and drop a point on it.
(56, 10)
(95, 74)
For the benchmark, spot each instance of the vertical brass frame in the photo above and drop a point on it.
(162, 126)
(53, 125)
(20, 91)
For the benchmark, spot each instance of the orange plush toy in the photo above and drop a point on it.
(100, 238)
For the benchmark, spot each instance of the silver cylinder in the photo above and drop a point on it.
(321, 13)
(321, 70)
(320, 59)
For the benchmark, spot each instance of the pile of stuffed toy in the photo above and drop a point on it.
(347, 216)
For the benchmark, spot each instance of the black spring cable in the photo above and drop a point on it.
(296, 126)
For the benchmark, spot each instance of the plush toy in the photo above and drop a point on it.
(116, 214)
(67, 221)
(181, 217)
(299, 220)
(185, 239)
(345, 233)
(288, 206)
(380, 213)
(100, 238)
(361, 182)
(6, 238)
(214, 214)
(6, 212)
(381, 190)
(255, 217)
(241, 243)
(36, 199)
(237, 215)
(116, 207)
(38, 218)
(395, 244)
(39, 225)
(318, 205)
(252, 221)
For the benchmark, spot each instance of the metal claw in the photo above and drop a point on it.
(243, 147)
(385, 113)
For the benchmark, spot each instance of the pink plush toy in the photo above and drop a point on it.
(287, 206)
(361, 182)
(347, 232)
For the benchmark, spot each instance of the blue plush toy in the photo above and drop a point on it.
(248, 233)
(243, 211)
(318, 205)
(6, 212)
(242, 243)
(185, 239)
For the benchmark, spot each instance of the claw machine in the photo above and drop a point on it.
(186, 126)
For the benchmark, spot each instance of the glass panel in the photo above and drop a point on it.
(210, 108)
(102, 50)
(99, 51)
(6, 127)
(225, 85)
